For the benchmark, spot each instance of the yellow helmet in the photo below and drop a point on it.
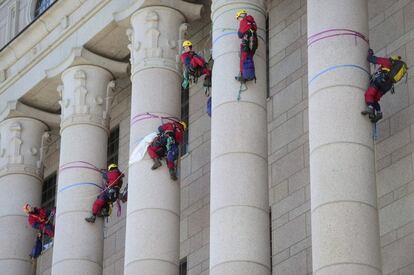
(187, 43)
(183, 124)
(240, 12)
(395, 57)
(112, 166)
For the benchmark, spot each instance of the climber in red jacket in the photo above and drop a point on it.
(113, 179)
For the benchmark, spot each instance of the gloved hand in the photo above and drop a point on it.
(370, 52)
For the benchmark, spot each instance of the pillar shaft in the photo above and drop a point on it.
(78, 245)
(345, 230)
(152, 229)
(21, 141)
(239, 217)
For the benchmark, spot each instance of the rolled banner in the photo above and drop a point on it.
(139, 151)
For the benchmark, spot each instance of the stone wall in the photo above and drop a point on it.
(195, 166)
(391, 25)
(288, 138)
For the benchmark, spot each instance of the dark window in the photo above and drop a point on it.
(113, 146)
(268, 58)
(183, 266)
(41, 6)
(49, 192)
(185, 109)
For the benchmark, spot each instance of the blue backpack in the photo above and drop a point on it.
(209, 106)
(248, 72)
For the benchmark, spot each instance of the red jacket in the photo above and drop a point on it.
(246, 24)
(192, 59)
(382, 61)
(114, 178)
(38, 215)
(174, 127)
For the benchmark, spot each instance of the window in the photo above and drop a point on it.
(41, 6)
(183, 266)
(49, 192)
(113, 146)
(268, 58)
(185, 109)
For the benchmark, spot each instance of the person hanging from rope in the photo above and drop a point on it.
(247, 32)
(194, 67)
(390, 71)
(40, 219)
(166, 143)
(113, 178)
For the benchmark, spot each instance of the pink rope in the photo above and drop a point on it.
(80, 161)
(343, 32)
(78, 166)
(141, 117)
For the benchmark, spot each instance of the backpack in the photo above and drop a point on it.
(248, 72)
(398, 70)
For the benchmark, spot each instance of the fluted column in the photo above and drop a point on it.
(239, 217)
(153, 215)
(78, 245)
(345, 230)
(21, 143)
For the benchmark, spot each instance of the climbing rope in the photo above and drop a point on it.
(336, 32)
(148, 115)
(243, 88)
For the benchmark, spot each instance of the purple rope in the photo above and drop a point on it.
(80, 161)
(141, 117)
(78, 166)
(316, 37)
(334, 30)
(338, 34)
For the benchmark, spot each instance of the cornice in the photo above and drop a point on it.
(18, 109)
(190, 11)
(81, 56)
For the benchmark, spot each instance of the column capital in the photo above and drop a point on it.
(23, 144)
(155, 42)
(86, 95)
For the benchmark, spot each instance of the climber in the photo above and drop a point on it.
(194, 66)
(40, 219)
(248, 34)
(110, 194)
(391, 71)
(166, 144)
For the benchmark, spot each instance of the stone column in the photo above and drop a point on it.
(21, 141)
(78, 245)
(153, 215)
(345, 230)
(239, 212)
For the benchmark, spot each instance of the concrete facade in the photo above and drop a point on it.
(97, 33)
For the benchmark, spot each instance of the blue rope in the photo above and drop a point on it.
(78, 184)
(337, 67)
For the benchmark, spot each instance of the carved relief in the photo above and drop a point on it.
(80, 93)
(153, 35)
(16, 142)
(109, 96)
(64, 103)
(44, 146)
